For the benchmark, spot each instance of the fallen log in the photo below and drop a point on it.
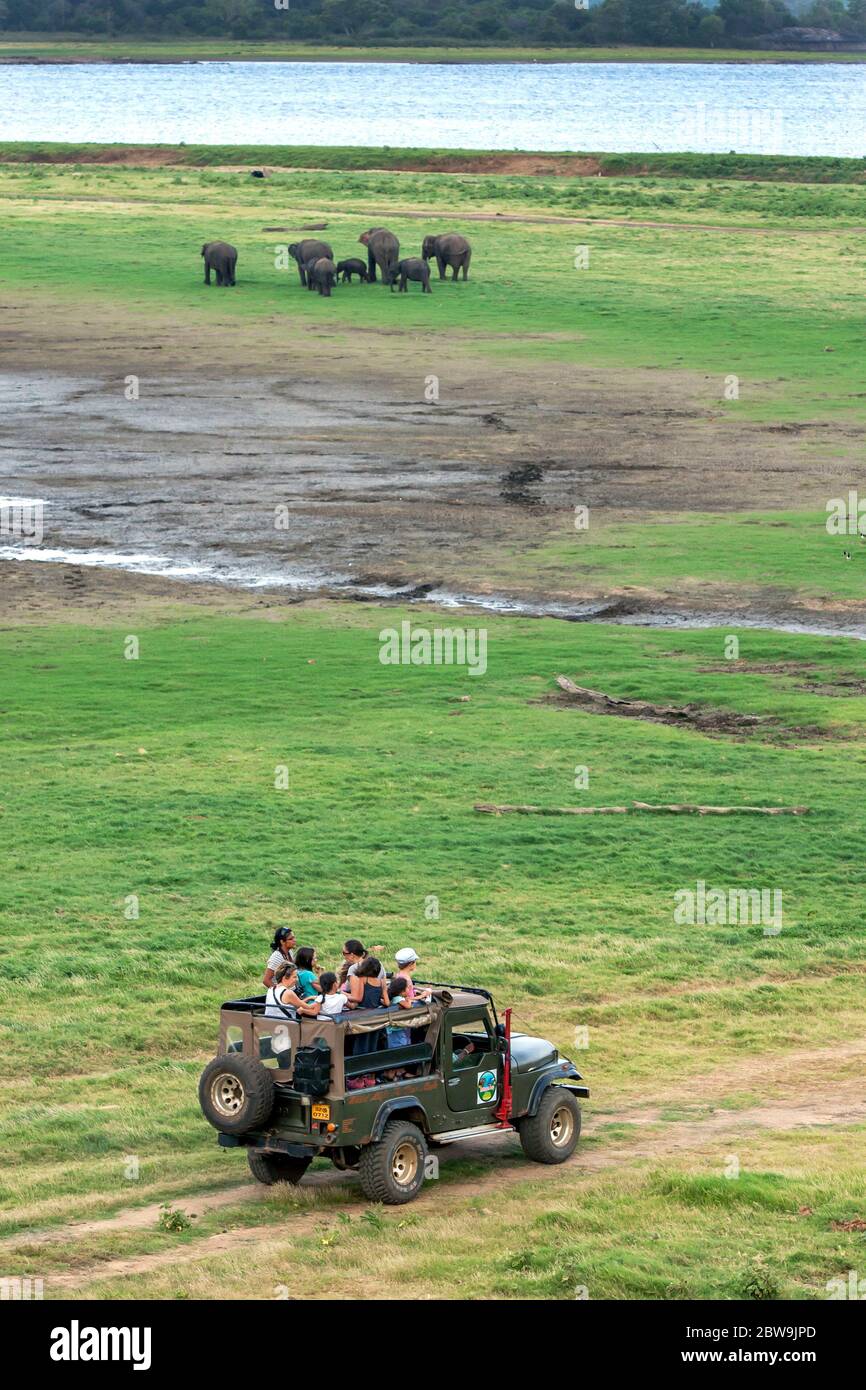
(583, 692)
(673, 808)
(686, 809)
(638, 707)
(491, 810)
(701, 717)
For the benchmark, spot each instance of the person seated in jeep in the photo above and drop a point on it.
(463, 1057)
(398, 993)
(368, 989)
(282, 1001)
(354, 953)
(332, 998)
(407, 962)
(308, 972)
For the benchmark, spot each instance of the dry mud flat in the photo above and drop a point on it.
(339, 476)
(273, 483)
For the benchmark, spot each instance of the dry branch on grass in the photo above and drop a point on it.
(673, 808)
(692, 715)
(598, 697)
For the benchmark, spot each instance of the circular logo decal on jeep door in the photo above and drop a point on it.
(486, 1087)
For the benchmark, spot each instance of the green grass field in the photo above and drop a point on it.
(741, 297)
(792, 552)
(155, 778)
(723, 1151)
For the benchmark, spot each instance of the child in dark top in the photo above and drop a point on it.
(398, 992)
(398, 1036)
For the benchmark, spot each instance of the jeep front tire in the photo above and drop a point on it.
(392, 1168)
(236, 1094)
(274, 1168)
(551, 1134)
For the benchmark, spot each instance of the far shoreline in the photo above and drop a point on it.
(39, 52)
(275, 159)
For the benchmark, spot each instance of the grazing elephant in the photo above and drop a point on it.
(309, 250)
(321, 275)
(412, 269)
(221, 257)
(352, 267)
(383, 248)
(450, 249)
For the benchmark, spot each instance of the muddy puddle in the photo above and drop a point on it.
(320, 488)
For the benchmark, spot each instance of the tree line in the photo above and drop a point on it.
(663, 23)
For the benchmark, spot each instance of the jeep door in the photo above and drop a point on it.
(472, 1078)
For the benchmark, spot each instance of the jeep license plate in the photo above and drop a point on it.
(321, 1112)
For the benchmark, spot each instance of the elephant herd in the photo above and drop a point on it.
(318, 271)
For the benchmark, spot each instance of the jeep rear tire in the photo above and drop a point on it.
(236, 1094)
(551, 1134)
(392, 1168)
(274, 1168)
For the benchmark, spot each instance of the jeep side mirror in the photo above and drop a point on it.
(500, 1030)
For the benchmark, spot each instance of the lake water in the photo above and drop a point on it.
(809, 109)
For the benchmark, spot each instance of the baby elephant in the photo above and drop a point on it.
(347, 269)
(411, 269)
(321, 275)
(221, 257)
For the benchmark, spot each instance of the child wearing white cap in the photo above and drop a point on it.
(407, 959)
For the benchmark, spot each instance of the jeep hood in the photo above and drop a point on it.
(528, 1054)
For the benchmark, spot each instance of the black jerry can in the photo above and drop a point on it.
(312, 1073)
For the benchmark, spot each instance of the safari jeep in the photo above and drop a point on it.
(289, 1090)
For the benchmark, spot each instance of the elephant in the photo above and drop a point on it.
(221, 257)
(309, 250)
(352, 267)
(449, 249)
(383, 248)
(412, 269)
(321, 275)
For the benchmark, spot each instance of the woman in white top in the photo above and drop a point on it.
(281, 954)
(282, 993)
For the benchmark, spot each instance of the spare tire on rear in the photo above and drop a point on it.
(276, 1168)
(236, 1094)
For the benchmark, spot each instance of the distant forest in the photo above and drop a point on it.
(667, 23)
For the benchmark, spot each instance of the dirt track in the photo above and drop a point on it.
(842, 1102)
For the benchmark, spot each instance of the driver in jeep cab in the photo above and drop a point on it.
(460, 1059)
